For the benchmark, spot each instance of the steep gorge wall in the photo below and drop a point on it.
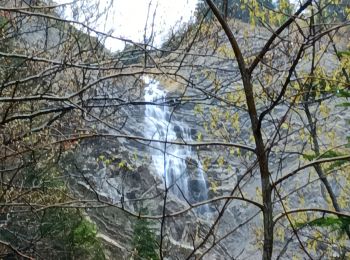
(114, 171)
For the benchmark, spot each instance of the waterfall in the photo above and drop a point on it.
(177, 165)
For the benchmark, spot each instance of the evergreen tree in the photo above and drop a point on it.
(144, 241)
(232, 8)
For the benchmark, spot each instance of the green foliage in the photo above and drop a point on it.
(242, 10)
(120, 164)
(343, 53)
(3, 21)
(235, 9)
(345, 92)
(335, 224)
(344, 104)
(83, 238)
(144, 241)
(342, 93)
(327, 154)
(70, 232)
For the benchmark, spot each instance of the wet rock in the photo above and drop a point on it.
(178, 131)
(191, 164)
(198, 190)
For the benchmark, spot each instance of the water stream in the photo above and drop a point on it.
(177, 165)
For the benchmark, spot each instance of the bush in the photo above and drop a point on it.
(144, 241)
(72, 233)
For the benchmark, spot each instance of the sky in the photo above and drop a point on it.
(127, 18)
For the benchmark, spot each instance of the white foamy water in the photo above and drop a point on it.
(176, 164)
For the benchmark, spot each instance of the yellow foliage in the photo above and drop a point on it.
(258, 194)
(285, 125)
(213, 186)
(324, 110)
(235, 121)
(206, 164)
(199, 136)
(221, 161)
(280, 234)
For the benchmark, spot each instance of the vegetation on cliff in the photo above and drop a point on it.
(266, 97)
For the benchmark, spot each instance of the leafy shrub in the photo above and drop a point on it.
(72, 233)
(144, 241)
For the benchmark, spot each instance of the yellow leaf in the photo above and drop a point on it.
(285, 125)
(199, 136)
(221, 161)
(213, 186)
(238, 151)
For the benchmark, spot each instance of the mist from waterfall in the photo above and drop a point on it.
(176, 164)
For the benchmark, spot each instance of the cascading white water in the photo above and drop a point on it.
(176, 164)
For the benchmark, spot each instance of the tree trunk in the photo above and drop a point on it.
(263, 166)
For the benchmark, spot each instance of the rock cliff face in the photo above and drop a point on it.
(181, 146)
(221, 168)
(125, 174)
